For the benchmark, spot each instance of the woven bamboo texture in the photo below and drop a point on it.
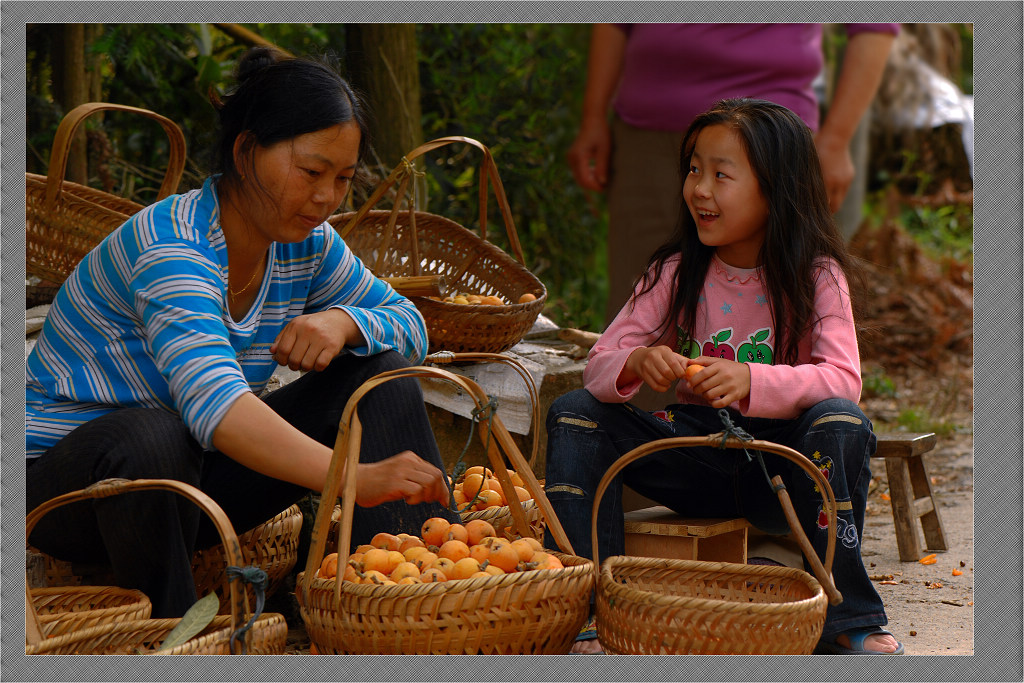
(410, 242)
(67, 609)
(662, 606)
(272, 546)
(533, 612)
(267, 634)
(65, 220)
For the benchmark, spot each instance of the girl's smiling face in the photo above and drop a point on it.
(301, 181)
(724, 197)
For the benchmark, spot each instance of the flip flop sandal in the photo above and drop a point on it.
(857, 637)
(588, 632)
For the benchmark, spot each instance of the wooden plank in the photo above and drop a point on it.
(660, 520)
(904, 444)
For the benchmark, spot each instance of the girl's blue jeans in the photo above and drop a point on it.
(585, 436)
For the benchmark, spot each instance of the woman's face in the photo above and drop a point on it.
(300, 182)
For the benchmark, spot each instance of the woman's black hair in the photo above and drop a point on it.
(278, 98)
(800, 229)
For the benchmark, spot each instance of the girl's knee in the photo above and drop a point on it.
(838, 412)
(577, 406)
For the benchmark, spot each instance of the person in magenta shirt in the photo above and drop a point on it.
(654, 78)
(754, 288)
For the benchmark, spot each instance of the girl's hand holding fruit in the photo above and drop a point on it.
(719, 380)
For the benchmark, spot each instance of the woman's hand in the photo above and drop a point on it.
(405, 476)
(656, 366)
(722, 381)
(312, 341)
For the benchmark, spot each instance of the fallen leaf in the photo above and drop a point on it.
(957, 572)
(890, 583)
(928, 559)
(932, 584)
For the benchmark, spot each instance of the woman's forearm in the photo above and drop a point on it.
(255, 436)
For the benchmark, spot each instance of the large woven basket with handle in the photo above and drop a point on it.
(65, 220)
(668, 606)
(529, 612)
(407, 242)
(228, 634)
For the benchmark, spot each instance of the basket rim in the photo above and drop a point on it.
(219, 631)
(609, 588)
(442, 223)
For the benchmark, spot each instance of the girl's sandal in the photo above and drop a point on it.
(588, 632)
(857, 637)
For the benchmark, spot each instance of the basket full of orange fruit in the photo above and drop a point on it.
(456, 588)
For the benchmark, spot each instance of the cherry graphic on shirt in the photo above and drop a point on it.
(717, 348)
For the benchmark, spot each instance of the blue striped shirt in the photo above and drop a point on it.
(143, 321)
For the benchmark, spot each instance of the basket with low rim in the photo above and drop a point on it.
(72, 608)
(529, 612)
(669, 606)
(272, 546)
(408, 242)
(227, 634)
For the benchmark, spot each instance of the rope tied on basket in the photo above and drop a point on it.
(731, 429)
(486, 411)
(259, 580)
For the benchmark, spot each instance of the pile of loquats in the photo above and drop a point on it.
(443, 552)
(478, 489)
(469, 298)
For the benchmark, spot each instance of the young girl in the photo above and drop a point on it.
(753, 286)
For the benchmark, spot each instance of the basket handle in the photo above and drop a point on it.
(345, 460)
(113, 487)
(821, 571)
(66, 131)
(444, 357)
(488, 172)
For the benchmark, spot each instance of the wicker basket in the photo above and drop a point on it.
(65, 220)
(535, 612)
(272, 546)
(66, 609)
(663, 606)
(408, 242)
(117, 635)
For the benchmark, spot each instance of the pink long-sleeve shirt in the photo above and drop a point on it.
(734, 321)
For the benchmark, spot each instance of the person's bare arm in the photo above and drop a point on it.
(589, 154)
(859, 77)
(257, 437)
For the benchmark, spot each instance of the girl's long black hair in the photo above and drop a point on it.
(800, 229)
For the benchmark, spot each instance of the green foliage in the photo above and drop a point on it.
(918, 420)
(877, 383)
(517, 88)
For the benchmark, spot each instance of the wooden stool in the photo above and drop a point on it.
(659, 532)
(910, 493)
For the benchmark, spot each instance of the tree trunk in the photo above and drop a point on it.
(71, 87)
(382, 63)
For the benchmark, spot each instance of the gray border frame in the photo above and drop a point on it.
(998, 319)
